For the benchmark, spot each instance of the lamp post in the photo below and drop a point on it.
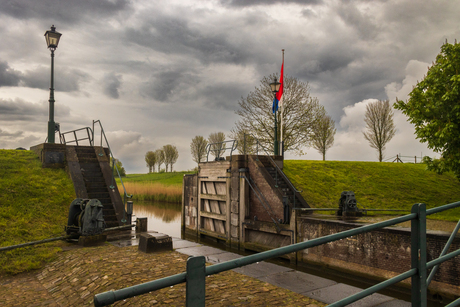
(52, 41)
(275, 87)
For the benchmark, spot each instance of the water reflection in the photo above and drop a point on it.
(162, 217)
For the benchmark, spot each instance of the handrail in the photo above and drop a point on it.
(286, 179)
(74, 132)
(232, 148)
(418, 269)
(114, 165)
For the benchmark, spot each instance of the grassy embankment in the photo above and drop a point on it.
(376, 185)
(164, 187)
(34, 203)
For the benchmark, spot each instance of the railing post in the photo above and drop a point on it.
(196, 283)
(418, 255)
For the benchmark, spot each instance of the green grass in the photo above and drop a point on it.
(174, 178)
(34, 205)
(376, 185)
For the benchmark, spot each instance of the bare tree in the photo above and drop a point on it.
(379, 124)
(246, 143)
(216, 140)
(160, 157)
(323, 134)
(300, 111)
(151, 160)
(171, 154)
(198, 148)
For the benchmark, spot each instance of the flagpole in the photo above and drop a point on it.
(281, 113)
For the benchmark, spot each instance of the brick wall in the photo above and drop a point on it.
(387, 249)
(265, 183)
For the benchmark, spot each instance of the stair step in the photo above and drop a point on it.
(97, 184)
(98, 195)
(96, 189)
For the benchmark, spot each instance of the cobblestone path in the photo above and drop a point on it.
(78, 274)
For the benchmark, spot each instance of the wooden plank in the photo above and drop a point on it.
(210, 187)
(203, 188)
(208, 224)
(213, 196)
(214, 204)
(219, 226)
(221, 188)
(206, 206)
(210, 215)
(223, 207)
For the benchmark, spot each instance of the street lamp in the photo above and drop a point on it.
(275, 86)
(52, 40)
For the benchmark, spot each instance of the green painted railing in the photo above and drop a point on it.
(196, 270)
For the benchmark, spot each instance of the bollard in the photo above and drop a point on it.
(141, 224)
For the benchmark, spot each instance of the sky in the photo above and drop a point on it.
(162, 72)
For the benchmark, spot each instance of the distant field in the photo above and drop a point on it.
(376, 185)
(166, 187)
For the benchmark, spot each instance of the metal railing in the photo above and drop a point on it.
(114, 165)
(90, 136)
(402, 159)
(196, 270)
(219, 149)
(273, 163)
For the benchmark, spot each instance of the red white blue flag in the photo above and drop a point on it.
(278, 100)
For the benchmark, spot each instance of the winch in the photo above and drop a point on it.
(85, 217)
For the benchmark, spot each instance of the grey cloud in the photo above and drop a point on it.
(162, 85)
(11, 135)
(8, 76)
(241, 3)
(18, 109)
(362, 23)
(112, 83)
(173, 35)
(68, 11)
(65, 79)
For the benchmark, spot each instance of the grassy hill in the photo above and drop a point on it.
(376, 185)
(34, 204)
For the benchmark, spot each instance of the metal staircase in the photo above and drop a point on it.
(96, 187)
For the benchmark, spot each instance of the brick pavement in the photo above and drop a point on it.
(78, 274)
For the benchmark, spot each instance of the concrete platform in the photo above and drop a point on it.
(321, 289)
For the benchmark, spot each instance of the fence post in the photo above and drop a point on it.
(418, 255)
(195, 282)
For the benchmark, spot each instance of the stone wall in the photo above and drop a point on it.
(386, 249)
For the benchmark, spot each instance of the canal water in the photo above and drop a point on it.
(166, 218)
(161, 217)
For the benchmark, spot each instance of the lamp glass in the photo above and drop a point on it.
(52, 38)
(275, 86)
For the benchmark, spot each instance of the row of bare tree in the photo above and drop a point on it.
(199, 144)
(168, 155)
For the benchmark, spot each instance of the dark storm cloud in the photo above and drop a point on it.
(172, 35)
(241, 3)
(68, 11)
(111, 84)
(8, 76)
(11, 135)
(162, 85)
(18, 109)
(65, 79)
